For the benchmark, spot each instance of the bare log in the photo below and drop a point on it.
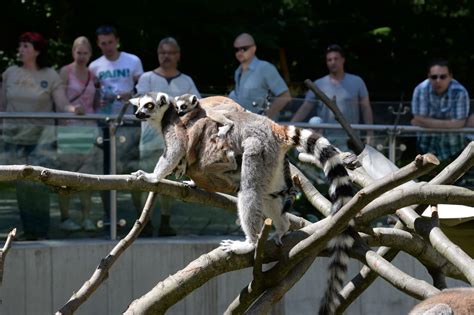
(102, 271)
(80, 181)
(414, 194)
(415, 246)
(418, 289)
(251, 292)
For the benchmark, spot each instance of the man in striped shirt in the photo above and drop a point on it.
(440, 102)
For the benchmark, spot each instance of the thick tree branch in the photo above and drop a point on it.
(79, 181)
(414, 194)
(274, 294)
(418, 289)
(366, 276)
(415, 246)
(102, 271)
(337, 223)
(255, 288)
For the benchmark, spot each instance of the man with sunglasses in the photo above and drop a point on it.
(257, 81)
(440, 102)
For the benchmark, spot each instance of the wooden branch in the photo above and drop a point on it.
(415, 246)
(255, 288)
(272, 295)
(318, 201)
(457, 168)
(80, 181)
(259, 250)
(359, 146)
(174, 288)
(102, 271)
(366, 276)
(4, 251)
(418, 289)
(453, 253)
(337, 223)
(362, 280)
(415, 193)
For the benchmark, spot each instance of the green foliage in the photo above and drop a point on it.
(388, 43)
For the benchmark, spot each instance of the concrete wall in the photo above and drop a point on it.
(41, 276)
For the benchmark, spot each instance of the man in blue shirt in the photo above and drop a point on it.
(256, 80)
(349, 93)
(440, 102)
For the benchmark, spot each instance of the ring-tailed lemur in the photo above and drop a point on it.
(188, 102)
(262, 145)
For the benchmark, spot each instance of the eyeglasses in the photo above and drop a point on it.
(435, 77)
(242, 48)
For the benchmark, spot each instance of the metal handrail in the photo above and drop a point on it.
(107, 118)
(374, 127)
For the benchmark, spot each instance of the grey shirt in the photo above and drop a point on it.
(347, 94)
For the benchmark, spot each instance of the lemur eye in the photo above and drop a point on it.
(149, 106)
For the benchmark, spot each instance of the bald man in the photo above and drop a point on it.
(256, 80)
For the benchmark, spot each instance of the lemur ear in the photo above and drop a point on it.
(162, 99)
(194, 100)
(135, 101)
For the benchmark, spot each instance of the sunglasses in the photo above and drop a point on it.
(435, 77)
(242, 48)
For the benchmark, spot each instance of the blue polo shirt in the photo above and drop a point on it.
(253, 86)
(452, 104)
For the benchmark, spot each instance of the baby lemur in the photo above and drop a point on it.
(261, 145)
(187, 103)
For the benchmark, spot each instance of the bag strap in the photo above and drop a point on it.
(84, 89)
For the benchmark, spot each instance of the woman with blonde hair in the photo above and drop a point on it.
(76, 137)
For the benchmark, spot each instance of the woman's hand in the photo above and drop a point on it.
(78, 109)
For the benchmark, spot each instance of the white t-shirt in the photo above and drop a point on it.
(151, 142)
(116, 77)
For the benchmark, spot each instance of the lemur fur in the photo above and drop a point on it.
(188, 102)
(261, 144)
(447, 302)
(175, 136)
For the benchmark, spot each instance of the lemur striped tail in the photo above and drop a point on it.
(318, 150)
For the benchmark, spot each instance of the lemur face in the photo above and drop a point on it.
(151, 105)
(185, 103)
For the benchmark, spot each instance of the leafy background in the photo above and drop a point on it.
(388, 43)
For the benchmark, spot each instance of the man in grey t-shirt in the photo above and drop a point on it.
(348, 91)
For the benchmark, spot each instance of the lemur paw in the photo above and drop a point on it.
(276, 237)
(237, 247)
(142, 175)
(189, 183)
(223, 131)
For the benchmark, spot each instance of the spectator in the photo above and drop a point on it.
(440, 102)
(32, 87)
(257, 80)
(470, 124)
(118, 72)
(76, 138)
(167, 79)
(349, 92)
